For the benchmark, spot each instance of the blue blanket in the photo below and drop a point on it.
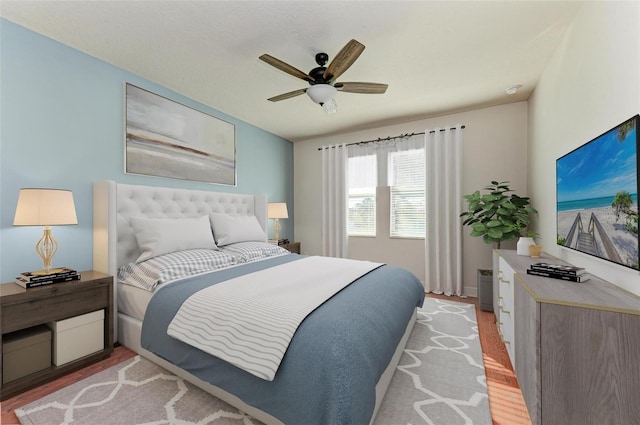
(329, 372)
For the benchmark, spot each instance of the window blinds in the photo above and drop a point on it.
(406, 181)
(362, 178)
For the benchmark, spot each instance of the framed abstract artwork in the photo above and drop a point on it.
(167, 139)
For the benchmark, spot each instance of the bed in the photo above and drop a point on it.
(336, 366)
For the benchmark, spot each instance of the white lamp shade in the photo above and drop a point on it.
(277, 210)
(321, 93)
(45, 207)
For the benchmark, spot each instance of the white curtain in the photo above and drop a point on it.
(443, 193)
(334, 201)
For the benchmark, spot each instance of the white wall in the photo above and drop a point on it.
(495, 148)
(591, 85)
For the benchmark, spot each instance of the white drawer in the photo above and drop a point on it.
(505, 311)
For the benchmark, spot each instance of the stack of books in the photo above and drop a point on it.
(46, 277)
(559, 271)
(279, 241)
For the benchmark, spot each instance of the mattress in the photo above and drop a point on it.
(133, 301)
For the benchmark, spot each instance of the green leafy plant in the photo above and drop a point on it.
(498, 215)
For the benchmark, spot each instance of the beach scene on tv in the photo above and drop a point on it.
(597, 197)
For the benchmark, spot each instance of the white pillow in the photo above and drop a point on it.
(240, 228)
(157, 236)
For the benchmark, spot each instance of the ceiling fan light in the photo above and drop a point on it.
(330, 106)
(321, 93)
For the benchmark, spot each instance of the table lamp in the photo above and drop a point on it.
(277, 210)
(45, 207)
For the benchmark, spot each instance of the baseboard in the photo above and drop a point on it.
(468, 292)
(471, 291)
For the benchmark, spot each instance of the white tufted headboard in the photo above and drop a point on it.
(114, 242)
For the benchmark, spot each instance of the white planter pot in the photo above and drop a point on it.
(523, 245)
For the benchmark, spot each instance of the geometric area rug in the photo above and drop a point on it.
(440, 380)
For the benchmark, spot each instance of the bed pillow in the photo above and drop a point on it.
(229, 229)
(245, 252)
(165, 268)
(157, 236)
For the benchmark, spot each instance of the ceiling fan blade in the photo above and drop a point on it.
(343, 60)
(366, 88)
(287, 95)
(283, 66)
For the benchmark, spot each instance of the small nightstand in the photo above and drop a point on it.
(25, 308)
(293, 247)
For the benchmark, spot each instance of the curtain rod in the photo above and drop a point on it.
(401, 136)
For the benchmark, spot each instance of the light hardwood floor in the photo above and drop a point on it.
(505, 398)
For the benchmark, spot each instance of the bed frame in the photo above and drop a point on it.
(114, 245)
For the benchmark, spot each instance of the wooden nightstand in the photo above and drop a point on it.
(293, 247)
(24, 308)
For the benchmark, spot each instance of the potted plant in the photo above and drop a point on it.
(498, 215)
(535, 250)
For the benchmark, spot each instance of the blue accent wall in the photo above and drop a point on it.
(61, 126)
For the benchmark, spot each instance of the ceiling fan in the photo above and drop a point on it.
(322, 80)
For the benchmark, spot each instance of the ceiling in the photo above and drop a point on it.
(438, 57)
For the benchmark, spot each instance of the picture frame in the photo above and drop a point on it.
(164, 138)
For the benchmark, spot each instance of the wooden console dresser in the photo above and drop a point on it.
(575, 347)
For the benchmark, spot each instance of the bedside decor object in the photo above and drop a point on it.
(277, 210)
(77, 336)
(25, 351)
(41, 277)
(167, 139)
(45, 207)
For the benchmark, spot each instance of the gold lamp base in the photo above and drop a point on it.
(46, 248)
(277, 228)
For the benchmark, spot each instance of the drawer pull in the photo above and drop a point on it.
(505, 311)
(504, 340)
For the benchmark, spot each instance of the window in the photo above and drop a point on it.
(402, 169)
(362, 179)
(407, 180)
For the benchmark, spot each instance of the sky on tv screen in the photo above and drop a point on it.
(595, 172)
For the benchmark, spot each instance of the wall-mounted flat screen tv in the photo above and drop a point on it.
(597, 196)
